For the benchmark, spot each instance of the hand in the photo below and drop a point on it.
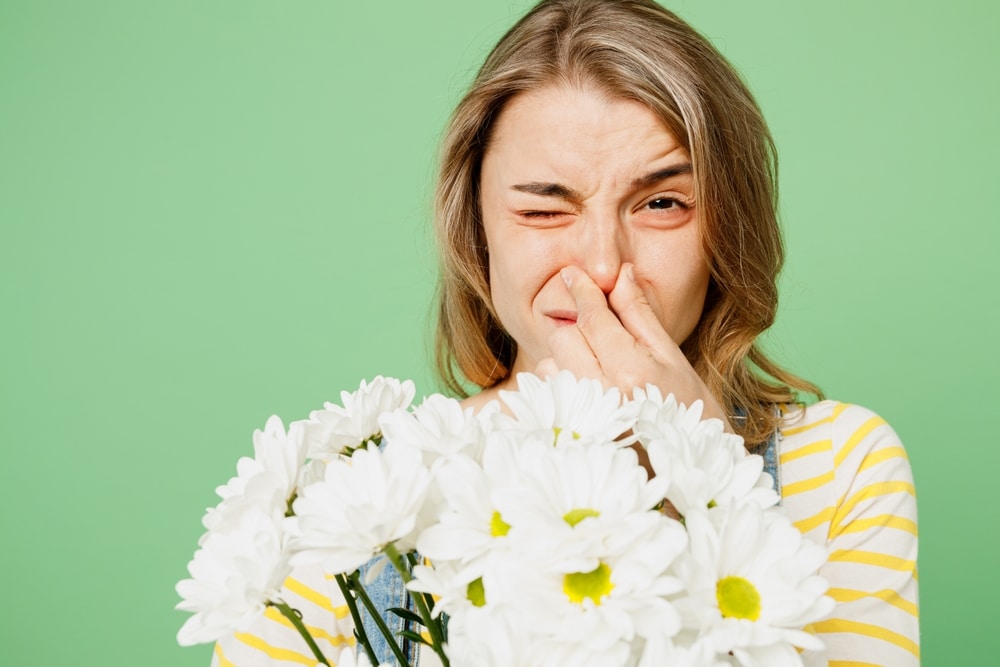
(620, 341)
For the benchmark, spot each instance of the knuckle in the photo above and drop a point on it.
(629, 380)
(638, 312)
(632, 306)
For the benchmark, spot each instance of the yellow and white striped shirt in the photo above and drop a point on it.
(273, 640)
(846, 483)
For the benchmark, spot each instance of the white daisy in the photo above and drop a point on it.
(585, 611)
(439, 427)
(566, 410)
(708, 467)
(354, 656)
(575, 494)
(654, 411)
(661, 650)
(751, 582)
(491, 636)
(269, 480)
(470, 524)
(280, 452)
(362, 504)
(312, 472)
(337, 429)
(455, 588)
(235, 573)
(771, 654)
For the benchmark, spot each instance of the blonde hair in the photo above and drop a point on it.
(633, 50)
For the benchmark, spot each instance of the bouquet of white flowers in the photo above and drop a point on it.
(542, 540)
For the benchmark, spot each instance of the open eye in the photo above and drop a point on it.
(666, 203)
(666, 211)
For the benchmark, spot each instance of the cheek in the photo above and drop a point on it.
(521, 266)
(675, 280)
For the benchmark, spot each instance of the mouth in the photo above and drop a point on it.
(562, 318)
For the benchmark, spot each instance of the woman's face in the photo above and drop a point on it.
(573, 178)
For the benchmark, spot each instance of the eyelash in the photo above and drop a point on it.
(676, 204)
(541, 214)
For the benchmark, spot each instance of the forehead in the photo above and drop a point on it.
(577, 130)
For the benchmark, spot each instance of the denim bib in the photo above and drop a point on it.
(387, 589)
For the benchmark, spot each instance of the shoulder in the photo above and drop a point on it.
(480, 400)
(847, 485)
(840, 463)
(845, 439)
(827, 419)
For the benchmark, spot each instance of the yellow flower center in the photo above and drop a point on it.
(476, 593)
(738, 598)
(595, 584)
(577, 515)
(498, 527)
(557, 430)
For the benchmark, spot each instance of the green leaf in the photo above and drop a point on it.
(407, 614)
(413, 637)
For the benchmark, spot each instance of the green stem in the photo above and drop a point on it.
(379, 621)
(411, 557)
(293, 616)
(433, 627)
(359, 628)
(428, 598)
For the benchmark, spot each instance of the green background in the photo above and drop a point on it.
(214, 211)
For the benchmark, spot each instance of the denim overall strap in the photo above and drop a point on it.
(771, 453)
(772, 463)
(387, 591)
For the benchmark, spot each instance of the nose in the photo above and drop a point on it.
(601, 251)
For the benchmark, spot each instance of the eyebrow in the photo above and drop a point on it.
(563, 192)
(661, 175)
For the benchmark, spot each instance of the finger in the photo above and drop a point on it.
(637, 316)
(632, 309)
(570, 351)
(601, 329)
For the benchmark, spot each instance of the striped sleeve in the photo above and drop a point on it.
(846, 483)
(272, 640)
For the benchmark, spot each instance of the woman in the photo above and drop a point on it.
(606, 205)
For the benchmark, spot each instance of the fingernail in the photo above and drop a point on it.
(629, 273)
(568, 279)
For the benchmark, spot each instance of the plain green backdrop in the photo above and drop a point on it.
(212, 211)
